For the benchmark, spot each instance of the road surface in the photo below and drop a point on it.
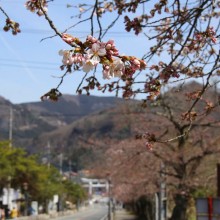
(95, 212)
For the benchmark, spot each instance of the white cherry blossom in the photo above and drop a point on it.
(116, 69)
(67, 57)
(95, 52)
(88, 65)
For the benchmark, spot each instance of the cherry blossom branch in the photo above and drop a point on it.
(110, 26)
(62, 78)
(3, 11)
(99, 24)
(10, 24)
(91, 16)
(186, 41)
(204, 87)
(48, 19)
(78, 88)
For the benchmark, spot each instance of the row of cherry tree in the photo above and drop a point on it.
(186, 166)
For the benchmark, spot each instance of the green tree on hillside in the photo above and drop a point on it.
(38, 181)
(74, 192)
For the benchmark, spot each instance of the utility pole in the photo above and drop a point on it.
(10, 146)
(70, 168)
(10, 126)
(162, 195)
(109, 199)
(218, 180)
(156, 206)
(48, 156)
(61, 163)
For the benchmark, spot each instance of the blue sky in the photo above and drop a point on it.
(29, 67)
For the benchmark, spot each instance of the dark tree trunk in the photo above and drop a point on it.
(180, 208)
(144, 208)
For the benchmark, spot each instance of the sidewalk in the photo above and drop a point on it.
(47, 216)
(123, 214)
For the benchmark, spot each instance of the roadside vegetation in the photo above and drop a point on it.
(37, 181)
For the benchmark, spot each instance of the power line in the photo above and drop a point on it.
(111, 33)
(27, 61)
(19, 2)
(31, 67)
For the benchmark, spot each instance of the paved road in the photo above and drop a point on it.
(96, 212)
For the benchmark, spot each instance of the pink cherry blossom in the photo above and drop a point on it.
(111, 49)
(70, 58)
(68, 38)
(91, 39)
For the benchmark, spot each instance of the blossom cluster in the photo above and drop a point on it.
(14, 26)
(150, 139)
(209, 33)
(135, 24)
(92, 52)
(106, 7)
(36, 6)
(201, 38)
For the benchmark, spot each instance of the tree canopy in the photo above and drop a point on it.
(182, 43)
(185, 167)
(40, 181)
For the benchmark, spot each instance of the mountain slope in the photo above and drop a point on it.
(30, 120)
(70, 108)
(82, 127)
(87, 138)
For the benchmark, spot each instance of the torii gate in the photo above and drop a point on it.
(92, 184)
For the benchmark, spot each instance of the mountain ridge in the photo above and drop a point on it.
(76, 126)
